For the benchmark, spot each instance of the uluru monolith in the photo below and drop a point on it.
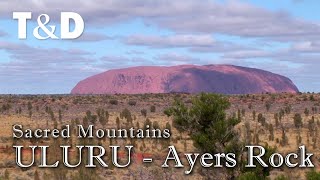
(223, 79)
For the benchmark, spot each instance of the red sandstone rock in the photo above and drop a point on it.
(225, 79)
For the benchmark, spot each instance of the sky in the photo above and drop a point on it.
(278, 36)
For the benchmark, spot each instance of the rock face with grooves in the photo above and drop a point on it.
(224, 79)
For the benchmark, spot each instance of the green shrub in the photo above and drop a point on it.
(248, 176)
(261, 119)
(259, 171)
(153, 109)
(113, 102)
(144, 112)
(297, 120)
(206, 122)
(282, 177)
(132, 103)
(313, 175)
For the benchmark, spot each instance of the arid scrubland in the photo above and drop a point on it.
(284, 121)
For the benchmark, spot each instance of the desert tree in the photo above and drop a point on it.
(248, 133)
(276, 119)
(6, 175)
(268, 106)
(239, 115)
(132, 102)
(60, 115)
(113, 102)
(29, 106)
(306, 112)
(91, 117)
(271, 131)
(206, 122)
(297, 120)
(127, 115)
(243, 112)
(103, 116)
(311, 98)
(311, 125)
(284, 138)
(254, 115)
(299, 138)
(144, 112)
(118, 122)
(312, 175)
(36, 175)
(261, 119)
(147, 122)
(287, 109)
(153, 108)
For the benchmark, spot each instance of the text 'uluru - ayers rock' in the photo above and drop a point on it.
(224, 79)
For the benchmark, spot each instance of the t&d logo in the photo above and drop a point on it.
(49, 30)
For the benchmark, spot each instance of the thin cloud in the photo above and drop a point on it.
(306, 46)
(174, 59)
(193, 16)
(3, 34)
(181, 40)
(195, 43)
(30, 69)
(92, 37)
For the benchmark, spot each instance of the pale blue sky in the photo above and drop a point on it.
(279, 36)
